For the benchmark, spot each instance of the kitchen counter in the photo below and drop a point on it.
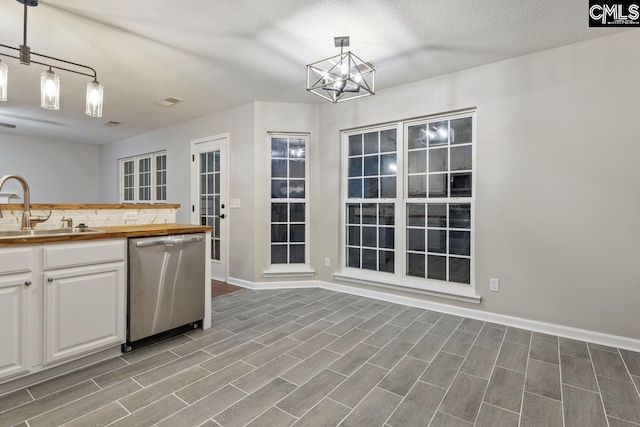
(111, 232)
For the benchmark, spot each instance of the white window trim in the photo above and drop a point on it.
(136, 177)
(399, 280)
(290, 270)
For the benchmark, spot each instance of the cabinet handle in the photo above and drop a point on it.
(27, 283)
(50, 279)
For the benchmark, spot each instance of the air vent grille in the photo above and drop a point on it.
(111, 123)
(168, 102)
(7, 125)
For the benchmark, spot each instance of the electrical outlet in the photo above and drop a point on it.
(130, 216)
(327, 262)
(494, 285)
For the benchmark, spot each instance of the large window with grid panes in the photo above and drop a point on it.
(408, 202)
(143, 179)
(289, 210)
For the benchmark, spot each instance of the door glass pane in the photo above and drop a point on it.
(278, 148)
(296, 168)
(278, 168)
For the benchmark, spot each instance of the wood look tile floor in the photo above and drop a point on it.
(313, 357)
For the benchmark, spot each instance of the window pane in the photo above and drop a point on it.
(353, 237)
(278, 168)
(388, 164)
(353, 257)
(355, 188)
(437, 216)
(353, 213)
(461, 158)
(296, 189)
(369, 259)
(371, 143)
(296, 233)
(216, 161)
(216, 227)
(296, 168)
(417, 161)
(278, 233)
(415, 215)
(461, 130)
(386, 262)
(417, 136)
(278, 212)
(386, 237)
(355, 145)
(369, 238)
(460, 270)
(415, 239)
(388, 140)
(437, 241)
(460, 242)
(203, 162)
(278, 147)
(371, 166)
(417, 186)
(388, 187)
(459, 216)
(370, 188)
(386, 214)
(461, 184)
(438, 160)
(278, 189)
(369, 213)
(216, 186)
(438, 133)
(438, 185)
(436, 267)
(296, 254)
(296, 149)
(297, 212)
(415, 265)
(278, 254)
(210, 183)
(355, 166)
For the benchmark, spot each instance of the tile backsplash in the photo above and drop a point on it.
(91, 217)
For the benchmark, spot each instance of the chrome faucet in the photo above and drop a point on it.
(28, 221)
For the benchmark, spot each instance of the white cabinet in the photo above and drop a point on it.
(84, 294)
(17, 279)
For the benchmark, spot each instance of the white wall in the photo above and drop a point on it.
(558, 183)
(56, 171)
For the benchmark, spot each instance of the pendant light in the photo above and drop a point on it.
(3, 81)
(94, 99)
(50, 90)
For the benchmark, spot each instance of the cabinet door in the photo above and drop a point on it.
(14, 330)
(84, 310)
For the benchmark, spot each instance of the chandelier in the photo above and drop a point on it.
(49, 80)
(341, 77)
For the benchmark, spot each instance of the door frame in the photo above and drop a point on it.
(194, 180)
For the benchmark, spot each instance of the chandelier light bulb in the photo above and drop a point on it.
(50, 90)
(95, 93)
(3, 81)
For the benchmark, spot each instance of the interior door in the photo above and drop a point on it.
(209, 197)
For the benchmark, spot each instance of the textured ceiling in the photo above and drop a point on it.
(217, 54)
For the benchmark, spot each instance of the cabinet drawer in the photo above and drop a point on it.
(15, 260)
(64, 255)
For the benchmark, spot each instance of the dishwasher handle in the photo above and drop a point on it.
(168, 241)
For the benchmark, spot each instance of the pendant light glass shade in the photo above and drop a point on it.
(94, 99)
(50, 90)
(3, 81)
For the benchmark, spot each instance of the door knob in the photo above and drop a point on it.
(222, 216)
(222, 206)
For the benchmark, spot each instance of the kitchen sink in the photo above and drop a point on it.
(11, 234)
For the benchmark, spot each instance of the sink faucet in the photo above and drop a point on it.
(27, 220)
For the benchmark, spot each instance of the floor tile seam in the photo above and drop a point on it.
(509, 369)
(180, 399)
(604, 409)
(434, 385)
(572, 355)
(454, 354)
(517, 343)
(621, 419)
(601, 349)
(544, 361)
(176, 373)
(533, 334)
(493, 368)
(458, 418)
(96, 409)
(611, 378)
(577, 388)
(526, 372)
(120, 357)
(624, 362)
(281, 326)
(254, 370)
(499, 407)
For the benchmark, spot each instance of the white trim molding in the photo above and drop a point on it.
(289, 272)
(516, 322)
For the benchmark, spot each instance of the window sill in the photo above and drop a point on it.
(287, 271)
(450, 291)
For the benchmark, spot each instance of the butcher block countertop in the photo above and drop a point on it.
(111, 232)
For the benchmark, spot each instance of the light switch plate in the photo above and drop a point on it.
(234, 203)
(494, 285)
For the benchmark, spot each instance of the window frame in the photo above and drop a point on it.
(290, 269)
(153, 186)
(400, 279)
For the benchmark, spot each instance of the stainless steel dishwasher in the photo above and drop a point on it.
(166, 283)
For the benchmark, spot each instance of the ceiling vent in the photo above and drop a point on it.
(168, 102)
(7, 125)
(111, 123)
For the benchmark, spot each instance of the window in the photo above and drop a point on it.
(289, 242)
(143, 179)
(409, 202)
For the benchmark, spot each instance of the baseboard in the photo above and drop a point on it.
(486, 316)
